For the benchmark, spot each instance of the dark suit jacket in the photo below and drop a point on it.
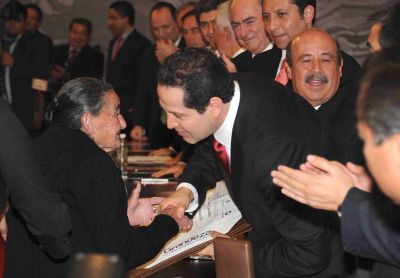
(370, 227)
(147, 108)
(124, 72)
(339, 118)
(272, 127)
(88, 63)
(20, 177)
(31, 60)
(265, 63)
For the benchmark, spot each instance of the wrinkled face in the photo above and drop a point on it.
(373, 38)
(191, 33)
(283, 21)
(32, 20)
(383, 161)
(315, 71)
(108, 124)
(78, 36)
(163, 25)
(206, 22)
(15, 27)
(247, 23)
(116, 23)
(188, 123)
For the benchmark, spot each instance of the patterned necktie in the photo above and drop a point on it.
(282, 75)
(117, 48)
(222, 155)
(71, 57)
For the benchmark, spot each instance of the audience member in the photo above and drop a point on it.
(124, 53)
(150, 118)
(77, 58)
(314, 65)
(26, 63)
(369, 225)
(284, 20)
(191, 31)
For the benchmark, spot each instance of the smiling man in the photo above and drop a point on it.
(286, 19)
(242, 127)
(314, 65)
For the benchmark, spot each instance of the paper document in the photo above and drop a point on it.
(146, 159)
(218, 213)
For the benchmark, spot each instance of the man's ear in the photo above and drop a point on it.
(309, 14)
(87, 123)
(215, 105)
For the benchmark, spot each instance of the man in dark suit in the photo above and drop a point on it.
(149, 118)
(261, 56)
(241, 128)
(23, 184)
(286, 19)
(369, 224)
(26, 63)
(124, 53)
(77, 58)
(315, 75)
(33, 23)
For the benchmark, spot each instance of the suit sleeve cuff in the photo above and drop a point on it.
(194, 204)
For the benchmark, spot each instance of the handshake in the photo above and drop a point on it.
(142, 211)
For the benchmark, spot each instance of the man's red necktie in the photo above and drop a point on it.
(117, 48)
(282, 75)
(222, 155)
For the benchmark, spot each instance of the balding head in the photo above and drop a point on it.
(247, 22)
(314, 65)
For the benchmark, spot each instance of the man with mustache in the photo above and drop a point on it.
(314, 66)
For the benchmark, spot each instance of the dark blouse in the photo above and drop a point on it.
(91, 186)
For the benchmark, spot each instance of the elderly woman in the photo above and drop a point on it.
(85, 125)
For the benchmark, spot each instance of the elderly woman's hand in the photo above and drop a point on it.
(141, 211)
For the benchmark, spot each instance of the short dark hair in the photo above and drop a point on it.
(188, 14)
(204, 6)
(289, 52)
(81, 21)
(124, 9)
(302, 4)
(200, 74)
(390, 32)
(14, 10)
(379, 99)
(76, 97)
(37, 9)
(164, 5)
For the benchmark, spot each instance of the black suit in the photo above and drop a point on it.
(339, 118)
(123, 73)
(31, 60)
(370, 228)
(20, 178)
(272, 127)
(148, 109)
(88, 63)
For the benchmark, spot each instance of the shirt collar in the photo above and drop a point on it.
(238, 52)
(126, 34)
(176, 43)
(269, 47)
(224, 132)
